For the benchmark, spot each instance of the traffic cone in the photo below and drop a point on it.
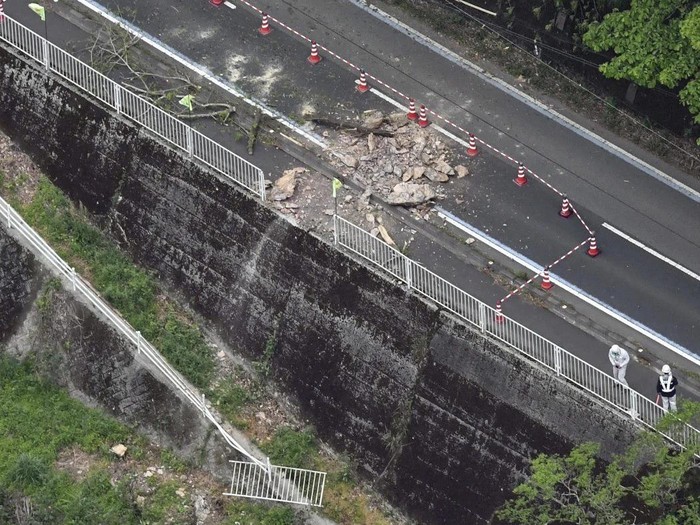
(216, 2)
(521, 179)
(546, 283)
(314, 58)
(362, 86)
(412, 115)
(423, 121)
(265, 27)
(471, 148)
(593, 246)
(565, 208)
(499, 313)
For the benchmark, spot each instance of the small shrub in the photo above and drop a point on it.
(27, 471)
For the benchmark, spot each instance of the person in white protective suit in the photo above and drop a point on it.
(666, 388)
(619, 358)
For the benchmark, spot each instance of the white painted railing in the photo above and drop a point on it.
(268, 478)
(174, 132)
(498, 326)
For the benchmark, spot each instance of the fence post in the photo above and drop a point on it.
(557, 360)
(409, 280)
(73, 278)
(482, 317)
(634, 413)
(45, 46)
(117, 97)
(335, 229)
(261, 178)
(138, 342)
(188, 138)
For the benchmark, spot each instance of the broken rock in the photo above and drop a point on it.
(385, 236)
(462, 171)
(444, 167)
(406, 193)
(350, 161)
(373, 119)
(436, 176)
(285, 185)
(371, 142)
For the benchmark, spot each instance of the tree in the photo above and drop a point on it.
(650, 483)
(655, 42)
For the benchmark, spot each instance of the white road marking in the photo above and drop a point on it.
(653, 252)
(570, 288)
(229, 4)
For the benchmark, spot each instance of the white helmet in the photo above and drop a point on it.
(665, 369)
(615, 350)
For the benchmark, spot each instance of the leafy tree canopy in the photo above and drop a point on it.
(649, 483)
(655, 42)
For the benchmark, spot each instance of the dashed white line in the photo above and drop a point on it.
(229, 4)
(652, 251)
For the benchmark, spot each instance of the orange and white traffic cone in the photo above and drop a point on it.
(423, 121)
(216, 2)
(412, 115)
(521, 179)
(471, 148)
(314, 57)
(265, 27)
(565, 208)
(362, 86)
(593, 246)
(546, 283)
(499, 312)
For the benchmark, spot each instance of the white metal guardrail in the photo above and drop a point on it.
(506, 330)
(176, 133)
(271, 482)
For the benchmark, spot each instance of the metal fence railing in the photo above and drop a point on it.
(174, 132)
(500, 327)
(304, 486)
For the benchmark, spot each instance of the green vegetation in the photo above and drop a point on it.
(292, 447)
(128, 288)
(241, 513)
(655, 42)
(649, 483)
(37, 421)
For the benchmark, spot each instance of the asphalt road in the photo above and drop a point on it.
(225, 41)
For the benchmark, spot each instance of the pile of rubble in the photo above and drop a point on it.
(402, 163)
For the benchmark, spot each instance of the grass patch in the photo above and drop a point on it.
(37, 420)
(292, 447)
(125, 286)
(230, 399)
(244, 513)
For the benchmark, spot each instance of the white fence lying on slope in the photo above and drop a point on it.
(506, 330)
(175, 132)
(253, 479)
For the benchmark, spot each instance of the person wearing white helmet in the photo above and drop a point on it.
(666, 388)
(619, 358)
